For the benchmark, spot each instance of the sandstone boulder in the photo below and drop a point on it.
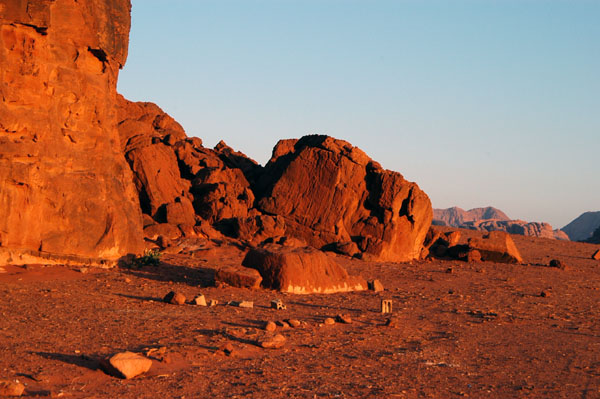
(65, 188)
(496, 246)
(301, 271)
(328, 191)
(128, 365)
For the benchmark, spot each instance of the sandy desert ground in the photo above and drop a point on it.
(459, 330)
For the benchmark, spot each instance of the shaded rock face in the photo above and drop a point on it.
(179, 181)
(65, 188)
(301, 271)
(583, 227)
(329, 192)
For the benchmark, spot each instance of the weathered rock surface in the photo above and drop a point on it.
(301, 271)
(329, 192)
(65, 188)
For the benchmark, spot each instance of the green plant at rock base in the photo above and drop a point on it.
(151, 257)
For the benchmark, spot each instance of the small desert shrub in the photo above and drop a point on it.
(151, 257)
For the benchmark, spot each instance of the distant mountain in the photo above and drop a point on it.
(456, 216)
(595, 239)
(490, 219)
(583, 227)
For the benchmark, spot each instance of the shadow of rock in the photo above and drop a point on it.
(193, 276)
(78, 360)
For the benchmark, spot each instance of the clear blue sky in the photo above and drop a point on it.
(481, 102)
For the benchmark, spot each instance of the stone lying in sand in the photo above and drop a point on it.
(301, 271)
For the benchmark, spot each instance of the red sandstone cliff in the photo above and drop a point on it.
(65, 188)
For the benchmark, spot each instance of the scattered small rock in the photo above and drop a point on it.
(213, 302)
(199, 300)
(294, 323)
(329, 321)
(596, 255)
(11, 388)
(242, 304)
(275, 342)
(83, 270)
(227, 348)
(386, 306)
(391, 322)
(473, 256)
(545, 294)
(283, 324)
(174, 298)
(127, 365)
(375, 285)
(558, 264)
(449, 270)
(270, 326)
(127, 280)
(277, 304)
(343, 318)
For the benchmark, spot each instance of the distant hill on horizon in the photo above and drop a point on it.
(456, 216)
(491, 219)
(582, 227)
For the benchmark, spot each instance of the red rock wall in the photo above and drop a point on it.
(65, 187)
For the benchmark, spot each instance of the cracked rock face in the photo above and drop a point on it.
(331, 193)
(65, 187)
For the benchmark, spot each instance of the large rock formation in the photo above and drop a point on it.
(65, 188)
(329, 192)
(583, 227)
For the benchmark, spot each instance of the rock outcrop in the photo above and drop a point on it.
(583, 227)
(65, 188)
(301, 271)
(329, 193)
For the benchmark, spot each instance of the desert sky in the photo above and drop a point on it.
(481, 102)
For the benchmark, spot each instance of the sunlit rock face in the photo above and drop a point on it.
(331, 193)
(65, 187)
